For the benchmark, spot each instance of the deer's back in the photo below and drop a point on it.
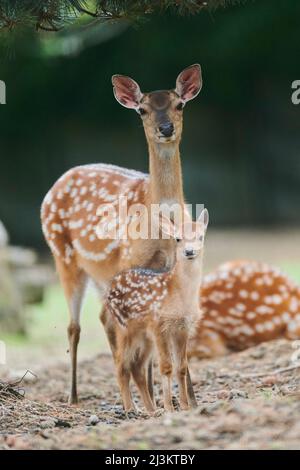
(245, 303)
(69, 210)
(137, 294)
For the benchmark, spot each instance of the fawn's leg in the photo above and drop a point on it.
(123, 373)
(110, 329)
(165, 365)
(139, 369)
(190, 390)
(73, 281)
(123, 369)
(150, 381)
(180, 349)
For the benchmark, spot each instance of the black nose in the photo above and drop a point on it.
(166, 129)
(189, 253)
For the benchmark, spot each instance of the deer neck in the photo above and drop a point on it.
(166, 185)
(188, 277)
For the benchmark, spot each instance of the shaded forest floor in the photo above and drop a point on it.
(238, 407)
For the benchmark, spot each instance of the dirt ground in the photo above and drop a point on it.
(248, 400)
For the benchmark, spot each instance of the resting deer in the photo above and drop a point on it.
(151, 308)
(69, 210)
(245, 303)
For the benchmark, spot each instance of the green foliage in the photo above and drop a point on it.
(53, 15)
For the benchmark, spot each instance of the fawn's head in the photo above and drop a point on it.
(189, 236)
(160, 111)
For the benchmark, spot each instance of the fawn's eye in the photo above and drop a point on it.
(179, 107)
(142, 111)
(178, 240)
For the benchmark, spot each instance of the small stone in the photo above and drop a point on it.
(282, 362)
(285, 390)
(48, 423)
(270, 380)
(223, 394)
(177, 438)
(221, 380)
(93, 420)
(132, 414)
(258, 353)
(235, 393)
(61, 423)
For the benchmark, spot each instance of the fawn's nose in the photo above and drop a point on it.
(189, 253)
(166, 129)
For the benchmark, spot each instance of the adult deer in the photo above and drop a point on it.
(245, 303)
(69, 210)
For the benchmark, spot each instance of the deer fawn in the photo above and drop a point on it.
(245, 303)
(68, 213)
(160, 308)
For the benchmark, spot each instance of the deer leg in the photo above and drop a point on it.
(150, 381)
(123, 374)
(165, 365)
(190, 390)
(123, 371)
(110, 330)
(139, 375)
(180, 348)
(74, 336)
(138, 370)
(73, 281)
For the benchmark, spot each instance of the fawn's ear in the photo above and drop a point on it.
(126, 91)
(167, 227)
(189, 83)
(203, 218)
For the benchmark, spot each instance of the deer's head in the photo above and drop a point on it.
(189, 236)
(160, 111)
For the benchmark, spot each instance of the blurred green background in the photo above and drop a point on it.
(241, 141)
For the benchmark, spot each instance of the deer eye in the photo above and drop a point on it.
(142, 111)
(179, 107)
(178, 240)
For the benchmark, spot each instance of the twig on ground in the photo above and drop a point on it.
(13, 389)
(271, 372)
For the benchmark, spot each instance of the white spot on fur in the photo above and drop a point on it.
(243, 294)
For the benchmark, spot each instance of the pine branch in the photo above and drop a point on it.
(54, 15)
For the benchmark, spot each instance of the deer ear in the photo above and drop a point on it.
(203, 218)
(189, 83)
(126, 91)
